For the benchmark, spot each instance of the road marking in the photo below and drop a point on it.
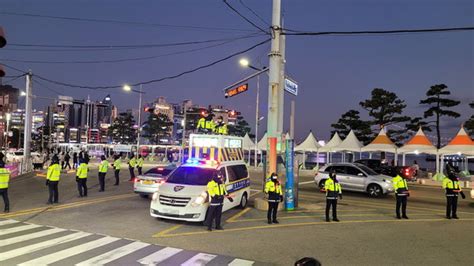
(60, 255)
(237, 215)
(18, 229)
(114, 254)
(65, 206)
(167, 230)
(7, 222)
(311, 223)
(42, 245)
(199, 259)
(306, 182)
(239, 262)
(159, 256)
(6, 242)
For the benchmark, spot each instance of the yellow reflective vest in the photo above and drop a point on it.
(332, 189)
(4, 178)
(400, 185)
(82, 170)
(103, 166)
(140, 162)
(206, 124)
(133, 162)
(54, 171)
(452, 187)
(274, 191)
(215, 189)
(117, 164)
(222, 130)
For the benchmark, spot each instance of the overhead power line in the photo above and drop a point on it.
(254, 13)
(246, 19)
(133, 46)
(133, 23)
(154, 80)
(118, 60)
(374, 32)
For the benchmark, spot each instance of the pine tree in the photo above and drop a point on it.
(122, 130)
(240, 128)
(438, 107)
(351, 120)
(157, 127)
(469, 125)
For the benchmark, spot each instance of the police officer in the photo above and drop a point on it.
(275, 195)
(52, 180)
(220, 127)
(81, 178)
(333, 190)
(217, 193)
(117, 165)
(206, 124)
(452, 187)
(103, 166)
(401, 192)
(131, 166)
(4, 179)
(139, 164)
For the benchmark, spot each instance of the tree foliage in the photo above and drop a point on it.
(122, 130)
(351, 120)
(438, 107)
(240, 128)
(157, 127)
(469, 125)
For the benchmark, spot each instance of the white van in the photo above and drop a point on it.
(184, 194)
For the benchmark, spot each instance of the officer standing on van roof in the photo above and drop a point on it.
(275, 195)
(217, 193)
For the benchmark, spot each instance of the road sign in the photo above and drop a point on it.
(236, 90)
(291, 86)
(122, 148)
(65, 99)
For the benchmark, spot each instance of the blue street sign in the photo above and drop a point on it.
(291, 86)
(289, 193)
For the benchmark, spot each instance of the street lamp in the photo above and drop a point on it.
(8, 116)
(245, 63)
(127, 88)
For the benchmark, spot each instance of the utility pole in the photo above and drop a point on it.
(257, 122)
(139, 118)
(28, 121)
(274, 86)
(183, 139)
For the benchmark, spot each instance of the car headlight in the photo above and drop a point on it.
(155, 196)
(200, 200)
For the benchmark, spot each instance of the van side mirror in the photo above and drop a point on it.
(360, 174)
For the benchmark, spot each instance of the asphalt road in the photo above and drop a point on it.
(368, 233)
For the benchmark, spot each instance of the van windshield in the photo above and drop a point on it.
(191, 176)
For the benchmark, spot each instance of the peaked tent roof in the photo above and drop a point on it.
(419, 143)
(381, 143)
(247, 143)
(309, 144)
(350, 143)
(333, 142)
(262, 144)
(461, 143)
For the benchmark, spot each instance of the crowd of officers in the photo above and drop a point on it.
(217, 191)
(207, 125)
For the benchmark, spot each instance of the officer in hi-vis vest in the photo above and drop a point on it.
(4, 180)
(452, 187)
(275, 196)
(52, 180)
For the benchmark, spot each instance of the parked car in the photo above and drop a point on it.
(148, 182)
(375, 164)
(356, 177)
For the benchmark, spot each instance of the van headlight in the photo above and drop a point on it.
(155, 196)
(200, 200)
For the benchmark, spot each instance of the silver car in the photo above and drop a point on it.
(149, 182)
(356, 177)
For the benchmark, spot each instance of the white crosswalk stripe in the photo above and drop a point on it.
(160, 256)
(17, 239)
(199, 259)
(42, 245)
(114, 254)
(46, 245)
(57, 256)
(17, 229)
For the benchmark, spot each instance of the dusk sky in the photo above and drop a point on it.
(334, 73)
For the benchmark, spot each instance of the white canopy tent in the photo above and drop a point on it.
(460, 144)
(310, 144)
(331, 145)
(351, 143)
(262, 143)
(418, 144)
(382, 143)
(248, 144)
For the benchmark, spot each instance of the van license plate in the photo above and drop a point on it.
(147, 182)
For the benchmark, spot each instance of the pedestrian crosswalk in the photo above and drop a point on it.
(30, 244)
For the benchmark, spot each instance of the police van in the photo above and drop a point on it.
(184, 194)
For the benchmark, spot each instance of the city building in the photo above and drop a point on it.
(8, 104)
